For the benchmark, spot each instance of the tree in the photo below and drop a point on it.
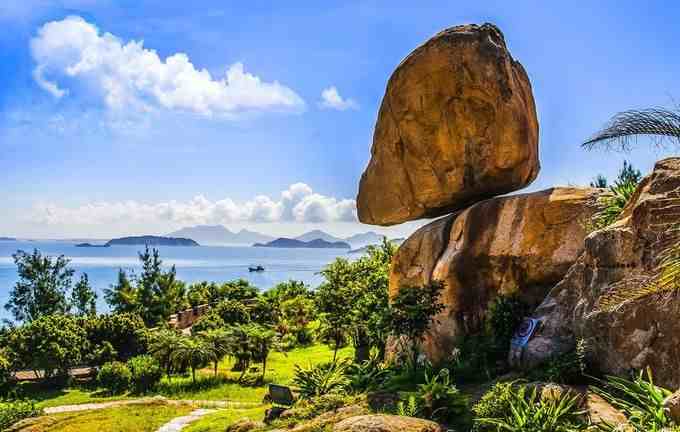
(52, 343)
(335, 298)
(239, 346)
(412, 312)
(237, 290)
(657, 122)
(599, 182)
(122, 296)
(83, 297)
(159, 293)
(262, 341)
(219, 341)
(620, 193)
(295, 314)
(162, 347)
(42, 287)
(125, 332)
(194, 352)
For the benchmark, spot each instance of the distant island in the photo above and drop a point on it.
(90, 245)
(151, 241)
(396, 242)
(7, 239)
(313, 244)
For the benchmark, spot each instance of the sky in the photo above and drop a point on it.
(140, 117)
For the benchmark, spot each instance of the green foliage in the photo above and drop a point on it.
(52, 343)
(567, 368)
(207, 322)
(232, 312)
(146, 373)
(262, 341)
(115, 377)
(334, 299)
(529, 412)
(505, 316)
(193, 352)
(619, 194)
(13, 411)
(599, 182)
(125, 332)
(321, 379)
(412, 312)
(42, 287)
(83, 298)
(408, 409)
(440, 400)
(640, 400)
(368, 375)
(122, 296)
(295, 314)
(494, 404)
(161, 346)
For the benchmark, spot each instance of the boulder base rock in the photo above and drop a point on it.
(521, 244)
(386, 423)
(457, 125)
(600, 299)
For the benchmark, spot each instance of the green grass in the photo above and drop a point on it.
(137, 418)
(280, 369)
(219, 421)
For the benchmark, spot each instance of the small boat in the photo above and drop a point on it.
(256, 269)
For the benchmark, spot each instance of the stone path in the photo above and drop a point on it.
(148, 400)
(177, 424)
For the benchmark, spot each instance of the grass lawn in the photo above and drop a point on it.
(280, 369)
(136, 418)
(219, 421)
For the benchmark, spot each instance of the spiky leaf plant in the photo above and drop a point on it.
(624, 128)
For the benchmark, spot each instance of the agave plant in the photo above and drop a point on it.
(529, 412)
(640, 400)
(626, 126)
(321, 379)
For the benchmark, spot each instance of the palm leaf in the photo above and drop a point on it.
(628, 125)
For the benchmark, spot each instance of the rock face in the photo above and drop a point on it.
(600, 300)
(521, 244)
(457, 125)
(386, 423)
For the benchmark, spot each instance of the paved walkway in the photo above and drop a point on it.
(148, 400)
(177, 424)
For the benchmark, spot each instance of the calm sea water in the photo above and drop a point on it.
(211, 263)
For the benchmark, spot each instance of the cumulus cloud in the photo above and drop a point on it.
(73, 52)
(299, 203)
(330, 98)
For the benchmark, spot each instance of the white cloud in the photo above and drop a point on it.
(73, 52)
(330, 98)
(298, 203)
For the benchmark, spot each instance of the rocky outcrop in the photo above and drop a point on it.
(520, 244)
(386, 423)
(603, 300)
(457, 125)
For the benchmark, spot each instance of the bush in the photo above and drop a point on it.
(232, 312)
(368, 375)
(640, 400)
(115, 377)
(12, 412)
(527, 411)
(125, 332)
(145, 371)
(441, 401)
(321, 379)
(494, 404)
(567, 368)
(207, 322)
(505, 315)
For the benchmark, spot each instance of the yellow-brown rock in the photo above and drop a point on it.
(521, 244)
(457, 125)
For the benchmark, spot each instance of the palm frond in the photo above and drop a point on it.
(626, 126)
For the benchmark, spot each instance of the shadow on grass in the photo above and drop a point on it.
(183, 385)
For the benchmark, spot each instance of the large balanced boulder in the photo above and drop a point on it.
(520, 244)
(606, 298)
(386, 423)
(457, 125)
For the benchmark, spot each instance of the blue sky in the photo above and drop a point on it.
(85, 153)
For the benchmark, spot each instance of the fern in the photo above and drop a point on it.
(409, 409)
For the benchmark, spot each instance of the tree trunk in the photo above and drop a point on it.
(264, 367)
(193, 374)
(335, 351)
(215, 368)
(362, 348)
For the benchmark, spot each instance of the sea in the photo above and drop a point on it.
(193, 264)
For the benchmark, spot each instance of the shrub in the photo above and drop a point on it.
(208, 322)
(232, 312)
(368, 375)
(321, 379)
(441, 401)
(52, 343)
(125, 332)
(529, 412)
(567, 368)
(494, 404)
(12, 412)
(640, 400)
(115, 377)
(505, 315)
(145, 371)
(408, 409)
